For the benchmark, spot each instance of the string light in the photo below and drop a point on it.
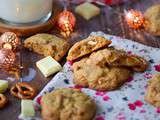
(66, 22)
(9, 40)
(134, 19)
(7, 58)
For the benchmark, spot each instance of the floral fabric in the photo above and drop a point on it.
(126, 103)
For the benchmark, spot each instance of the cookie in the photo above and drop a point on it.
(67, 104)
(107, 78)
(114, 57)
(107, 69)
(47, 45)
(153, 91)
(78, 70)
(88, 73)
(152, 15)
(87, 46)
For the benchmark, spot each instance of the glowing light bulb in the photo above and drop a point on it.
(134, 19)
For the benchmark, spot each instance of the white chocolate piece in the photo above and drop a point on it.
(87, 10)
(48, 66)
(3, 85)
(27, 108)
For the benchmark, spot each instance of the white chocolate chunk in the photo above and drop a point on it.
(48, 66)
(87, 10)
(3, 85)
(91, 42)
(27, 108)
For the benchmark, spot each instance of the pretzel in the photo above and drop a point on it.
(23, 90)
(3, 101)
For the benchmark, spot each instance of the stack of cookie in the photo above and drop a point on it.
(100, 67)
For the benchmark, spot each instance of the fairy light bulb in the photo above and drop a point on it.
(66, 22)
(9, 40)
(7, 58)
(134, 19)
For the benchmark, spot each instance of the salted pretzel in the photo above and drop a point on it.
(3, 101)
(23, 90)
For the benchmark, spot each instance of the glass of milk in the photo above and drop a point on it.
(25, 11)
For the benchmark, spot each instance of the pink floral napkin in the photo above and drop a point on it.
(126, 103)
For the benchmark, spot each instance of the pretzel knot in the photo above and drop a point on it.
(3, 101)
(23, 90)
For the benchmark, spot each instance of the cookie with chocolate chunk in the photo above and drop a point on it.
(87, 46)
(47, 45)
(67, 104)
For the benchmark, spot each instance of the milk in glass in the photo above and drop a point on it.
(25, 11)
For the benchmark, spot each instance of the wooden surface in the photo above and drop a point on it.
(110, 21)
(27, 30)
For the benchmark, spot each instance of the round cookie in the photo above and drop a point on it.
(119, 58)
(153, 91)
(152, 15)
(67, 104)
(87, 46)
(99, 76)
(108, 78)
(47, 45)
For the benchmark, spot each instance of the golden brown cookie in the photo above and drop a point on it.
(88, 73)
(119, 58)
(67, 104)
(152, 15)
(47, 45)
(107, 78)
(107, 69)
(78, 70)
(153, 91)
(87, 46)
